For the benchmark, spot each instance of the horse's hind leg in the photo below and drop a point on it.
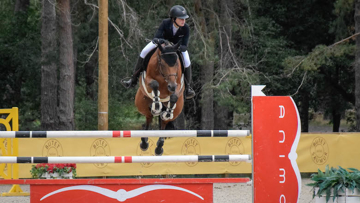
(144, 145)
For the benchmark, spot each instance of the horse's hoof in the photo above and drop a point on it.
(155, 113)
(156, 108)
(165, 115)
(144, 146)
(159, 152)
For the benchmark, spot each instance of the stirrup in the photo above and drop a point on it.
(189, 93)
(129, 83)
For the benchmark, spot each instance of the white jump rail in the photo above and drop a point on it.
(125, 133)
(129, 159)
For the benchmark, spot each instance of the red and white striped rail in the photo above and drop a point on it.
(128, 159)
(125, 133)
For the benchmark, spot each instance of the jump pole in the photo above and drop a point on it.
(129, 159)
(124, 134)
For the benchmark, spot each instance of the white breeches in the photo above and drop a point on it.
(186, 59)
(152, 46)
(147, 49)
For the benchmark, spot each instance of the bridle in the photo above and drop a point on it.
(161, 67)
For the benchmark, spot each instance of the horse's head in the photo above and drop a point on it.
(169, 64)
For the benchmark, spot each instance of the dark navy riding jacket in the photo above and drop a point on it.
(165, 31)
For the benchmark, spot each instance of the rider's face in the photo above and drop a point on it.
(180, 22)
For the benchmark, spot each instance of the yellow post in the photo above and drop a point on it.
(10, 147)
(103, 66)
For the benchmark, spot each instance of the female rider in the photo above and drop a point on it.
(172, 29)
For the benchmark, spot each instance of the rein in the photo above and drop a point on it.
(160, 66)
(144, 89)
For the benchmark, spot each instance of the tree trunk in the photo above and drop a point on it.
(304, 112)
(66, 66)
(207, 94)
(207, 68)
(21, 5)
(90, 74)
(336, 116)
(357, 65)
(222, 113)
(21, 17)
(49, 80)
(74, 5)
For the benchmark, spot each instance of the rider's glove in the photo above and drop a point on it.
(158, 41)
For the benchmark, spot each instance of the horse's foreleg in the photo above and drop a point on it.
(156, 106)
(160, 143)
(144, 145)
(169, 112)
(166, 115)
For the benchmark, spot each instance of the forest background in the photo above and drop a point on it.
(308, 49)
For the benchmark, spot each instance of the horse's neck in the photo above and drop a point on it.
(155, 74)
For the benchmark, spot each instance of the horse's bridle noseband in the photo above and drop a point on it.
(160, 65)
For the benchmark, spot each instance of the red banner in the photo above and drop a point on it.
(276, 133)
(122, 190)
(121, 193)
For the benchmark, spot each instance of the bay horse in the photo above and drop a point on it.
(160, 91)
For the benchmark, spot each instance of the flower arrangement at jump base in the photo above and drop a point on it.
(53, 171)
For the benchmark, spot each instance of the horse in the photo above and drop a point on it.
(161, 89)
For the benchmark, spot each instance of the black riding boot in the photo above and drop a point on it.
(189, 92)
(136, 72)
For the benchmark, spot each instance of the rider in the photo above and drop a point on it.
(172, 29)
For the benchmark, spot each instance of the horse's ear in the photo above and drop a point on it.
(176, 46)
(161, 48)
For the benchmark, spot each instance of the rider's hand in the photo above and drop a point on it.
(158, 41)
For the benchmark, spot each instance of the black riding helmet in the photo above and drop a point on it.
(178, 12)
